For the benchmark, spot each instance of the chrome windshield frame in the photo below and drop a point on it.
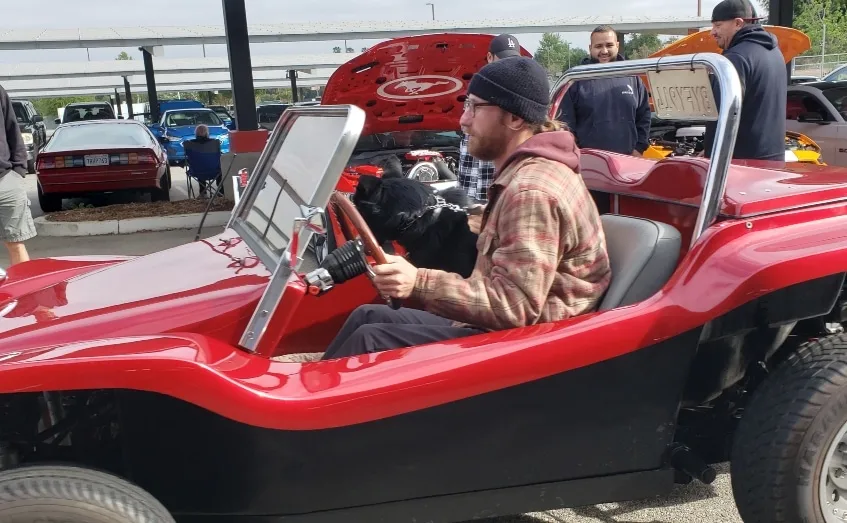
(729, 112)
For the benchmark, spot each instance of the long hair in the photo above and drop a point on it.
(548, 126)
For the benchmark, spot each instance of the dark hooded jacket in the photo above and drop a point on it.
(761, 68)
(612, 114)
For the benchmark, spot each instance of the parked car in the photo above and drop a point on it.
(176, 126)
(32, 128)
(819, 110)
(680, 138)
(838, 74)
(177, 385)
(268, 114)
(85, 111)
(101, 156)
(225, 116)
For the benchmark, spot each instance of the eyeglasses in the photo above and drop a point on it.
(471, 106)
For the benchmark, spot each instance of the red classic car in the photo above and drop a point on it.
(101, 156)
(132, 399)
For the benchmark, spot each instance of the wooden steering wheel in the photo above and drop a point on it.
(349, 215)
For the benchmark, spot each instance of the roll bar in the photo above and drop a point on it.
(729, 111)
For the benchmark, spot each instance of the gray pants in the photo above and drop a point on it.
(377, 328)
(16, 223)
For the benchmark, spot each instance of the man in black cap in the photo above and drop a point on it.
(542, 252)
(474, 175)
(760, 64)
(610, 114)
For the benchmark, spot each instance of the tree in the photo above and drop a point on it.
(364, 49)
(642, 45)
(557, 55)
(123, 56)
(336, 49)
(812, 16)
(351, 50)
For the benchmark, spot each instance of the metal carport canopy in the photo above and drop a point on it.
(117, 68)
(13, 39)
(203, 86)
(64, 84)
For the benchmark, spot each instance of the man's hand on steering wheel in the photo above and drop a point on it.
(395, 278)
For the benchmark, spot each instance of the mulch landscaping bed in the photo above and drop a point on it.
(125, 211)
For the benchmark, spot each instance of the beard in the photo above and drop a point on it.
(487, 147)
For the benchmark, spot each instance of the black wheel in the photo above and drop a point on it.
(789, 457)
(74, 495)
(164, 193)
(49, 202)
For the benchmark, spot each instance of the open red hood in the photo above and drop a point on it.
(412, 82)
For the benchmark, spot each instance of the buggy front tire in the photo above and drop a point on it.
(74, 495)
(789, 456)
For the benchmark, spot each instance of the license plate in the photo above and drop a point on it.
(92, 160)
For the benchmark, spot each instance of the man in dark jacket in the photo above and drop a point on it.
(16, 224)
(612, 114)
(761, 68)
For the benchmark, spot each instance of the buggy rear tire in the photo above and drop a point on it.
(788, 458)
(74, 495)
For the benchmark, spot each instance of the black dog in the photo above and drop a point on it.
(422, 220)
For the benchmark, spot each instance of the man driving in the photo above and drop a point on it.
(542, 252)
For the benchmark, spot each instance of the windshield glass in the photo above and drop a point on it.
(270, 113)
(409, 140)
(20, 115)
(179, 118)
(838, 98)
(837, 75)
(98, 135)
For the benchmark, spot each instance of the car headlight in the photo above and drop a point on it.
(27, 138)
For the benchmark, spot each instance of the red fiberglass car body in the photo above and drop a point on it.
(181, 397)
(101, 156)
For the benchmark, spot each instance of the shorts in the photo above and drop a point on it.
(16, 223)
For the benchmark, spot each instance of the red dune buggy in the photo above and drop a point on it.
(129, 397)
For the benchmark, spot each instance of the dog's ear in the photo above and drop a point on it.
(367, 187)
(391, 167)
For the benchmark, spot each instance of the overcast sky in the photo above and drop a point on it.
(88, 13)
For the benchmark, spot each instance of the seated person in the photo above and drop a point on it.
(203, 144)
(542, 251)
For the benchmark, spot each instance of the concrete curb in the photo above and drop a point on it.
(131, 225)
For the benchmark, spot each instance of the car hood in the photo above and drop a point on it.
(187, 131)
(792, 43)
(413, 82)
(199, 286)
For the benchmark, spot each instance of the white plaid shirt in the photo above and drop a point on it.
(475, 176)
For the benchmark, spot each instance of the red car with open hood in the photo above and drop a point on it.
(187, 396)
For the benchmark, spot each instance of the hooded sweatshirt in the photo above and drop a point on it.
(12, 148)
(611, 114)
(761, 68)
(542, 252)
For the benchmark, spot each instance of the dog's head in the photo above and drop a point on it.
(396, 208)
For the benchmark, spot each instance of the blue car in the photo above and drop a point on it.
(177, 125)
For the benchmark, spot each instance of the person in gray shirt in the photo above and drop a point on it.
(16, 224)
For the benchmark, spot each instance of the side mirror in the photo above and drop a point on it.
(37, 118)
(57, 121)
(157, 130)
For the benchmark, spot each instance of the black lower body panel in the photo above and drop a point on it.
(616, 417)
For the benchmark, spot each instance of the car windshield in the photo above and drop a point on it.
(95, 135)
(79, 113)
(270, 113)
(192, 118)
(20, 115)
(838, 98)
(837, 75)
(409, 140)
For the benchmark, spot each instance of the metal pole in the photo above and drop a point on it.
(240, 65)
(118, 102)
(130, 113)
(152, 97)
(292, 75)
(432, 6)
(699, 8)
(727, 123)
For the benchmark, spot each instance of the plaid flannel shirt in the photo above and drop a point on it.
(542, 254)
(475, 176)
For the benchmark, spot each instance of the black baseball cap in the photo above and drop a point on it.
(732, 9)
(505, 45)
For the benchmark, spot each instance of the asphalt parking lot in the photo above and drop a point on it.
(686, 504)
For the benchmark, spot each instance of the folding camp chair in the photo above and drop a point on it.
(204, 167)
